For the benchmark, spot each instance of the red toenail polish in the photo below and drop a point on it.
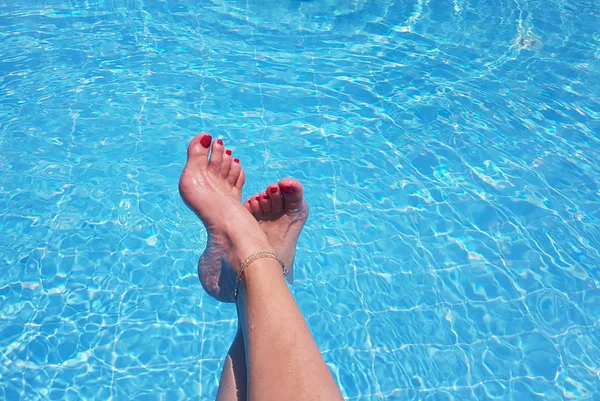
(220, 141)
(272, 189)
(256, 197)
(228, 152)
(265, 196)
(236, 160)
(205, 141)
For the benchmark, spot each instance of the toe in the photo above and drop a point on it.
(240, 181)
(255, 206)
(237, 188)
(216, 156)
(226, 163)
(275, 198)
(198, 150)
(248, 206)
(265, 203)
(234, 171)
(292, 193)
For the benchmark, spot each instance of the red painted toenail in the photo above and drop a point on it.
(236, 160)
(272, 189)
(288, 189)
(220, 141)
(265, 196)
(256, 197)
(228, 152)
(205, 141)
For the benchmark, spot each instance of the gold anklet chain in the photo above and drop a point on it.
(252, 258)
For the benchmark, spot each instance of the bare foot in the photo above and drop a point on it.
(212, 188)
(281, 212)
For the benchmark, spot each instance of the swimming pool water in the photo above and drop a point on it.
(450, 152)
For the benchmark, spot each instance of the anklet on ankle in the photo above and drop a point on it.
(252, 258)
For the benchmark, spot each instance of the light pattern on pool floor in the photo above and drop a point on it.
(450, 151)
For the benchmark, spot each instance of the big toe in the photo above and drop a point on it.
(293, 195)
(198, 150)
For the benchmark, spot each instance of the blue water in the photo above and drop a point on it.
(450, 152)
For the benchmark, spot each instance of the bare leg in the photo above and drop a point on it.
(233, 383)
(281, 212)
(283, 360)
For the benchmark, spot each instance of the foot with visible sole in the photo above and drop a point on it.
(211, 188)
(281, 212)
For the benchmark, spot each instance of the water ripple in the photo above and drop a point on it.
(449, 151)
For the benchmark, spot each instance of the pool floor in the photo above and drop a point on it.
(450, 152)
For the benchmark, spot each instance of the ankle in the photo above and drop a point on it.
(262, 274)
(242, 250)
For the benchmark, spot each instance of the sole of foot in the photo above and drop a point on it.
(211, 187)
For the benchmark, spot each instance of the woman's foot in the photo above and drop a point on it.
(281, 211)
(212, 188)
